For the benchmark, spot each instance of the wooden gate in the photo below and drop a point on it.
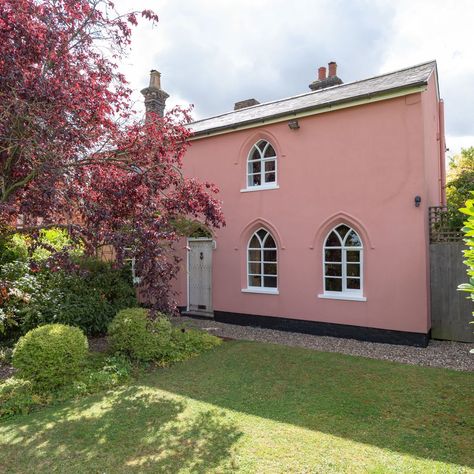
(451, 310)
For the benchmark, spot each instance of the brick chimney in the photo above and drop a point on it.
(155, 97)
(331, 80)
(243, 104)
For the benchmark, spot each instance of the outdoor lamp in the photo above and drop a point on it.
(293, 124)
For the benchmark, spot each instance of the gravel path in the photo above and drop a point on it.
(451, 355)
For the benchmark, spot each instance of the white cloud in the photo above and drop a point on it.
(439, 30)
(215, 52)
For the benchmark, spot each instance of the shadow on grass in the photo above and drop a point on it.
(424, 412)
(130, 431)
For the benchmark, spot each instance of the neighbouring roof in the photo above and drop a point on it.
(374, 86)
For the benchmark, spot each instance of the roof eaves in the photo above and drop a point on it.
(289, 113)
(359, 81)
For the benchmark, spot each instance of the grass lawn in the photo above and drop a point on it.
(252, 407)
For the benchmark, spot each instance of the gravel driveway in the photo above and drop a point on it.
(451, 355)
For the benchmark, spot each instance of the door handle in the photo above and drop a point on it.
(201, 255)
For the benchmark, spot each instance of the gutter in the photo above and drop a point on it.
(314, 110)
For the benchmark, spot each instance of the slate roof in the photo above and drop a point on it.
(404, 78)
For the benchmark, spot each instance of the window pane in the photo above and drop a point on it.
(262, 144)
(333, 284)
(254, 255)
(333, 240)
(353, 256)
(270, 255)
(353, 240)
(262, 233)
(353, 269)
(353, 284)
(255, 155)
(333, 269)
(256, 180)
(270, 282)
(255, 166)
(255, 268)
(270, 177)
(342, 230)
(255, 244)
(332, 255)
(269, 152)
(269, 243)
(270, 268)
(255, 280)
(270, 165)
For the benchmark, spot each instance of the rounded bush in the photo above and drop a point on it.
(50, 355)
(133, 333)
(191, 342)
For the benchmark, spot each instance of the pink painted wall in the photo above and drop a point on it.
(362, 166)
(434, 161)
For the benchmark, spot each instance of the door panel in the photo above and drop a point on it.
(200, 276)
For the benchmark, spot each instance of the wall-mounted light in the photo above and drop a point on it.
(293, 124)
(417, 201)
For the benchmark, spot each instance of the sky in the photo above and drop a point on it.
(212, 53)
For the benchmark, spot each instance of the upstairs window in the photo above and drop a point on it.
(262, 166)
(262, 261)
(342, 261)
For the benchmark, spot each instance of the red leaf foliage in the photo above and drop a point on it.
(71, 151)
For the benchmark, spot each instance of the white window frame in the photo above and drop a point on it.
(346, 293)
(262, 160)
(261, 289)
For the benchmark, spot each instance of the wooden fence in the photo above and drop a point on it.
(451, 310)
(441, 225)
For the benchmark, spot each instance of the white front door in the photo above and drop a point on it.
(200, 275)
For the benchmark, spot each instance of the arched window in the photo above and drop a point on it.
(262, 166)
(262, 261)
(342, 260)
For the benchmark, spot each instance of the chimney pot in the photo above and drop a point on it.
(324, 81)
(155, 79)
(155, 96)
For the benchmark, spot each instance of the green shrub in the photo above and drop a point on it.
(459, 185)
(99, 373)
(88, 297)
(191, 342)
(68, 298)
(114, 371)
(5, 355)
(51, 355)
(468, 230)
(134, 334)
(17, 396)
(17, 284)
(13, 247)
(141, 338)
(20, 247)
(55, 240)
(88, 300)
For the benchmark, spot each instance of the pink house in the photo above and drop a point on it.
(325, 195)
